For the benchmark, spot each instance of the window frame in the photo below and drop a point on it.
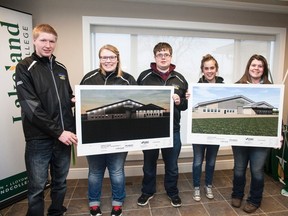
(89, 22)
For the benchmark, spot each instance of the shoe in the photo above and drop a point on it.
(95, 211)
(144, 199)
(196, 194)
(249, 207)
(175, 201)
(64, 209)
(236, 202)
(208, 191)
(116, 211)
(284, 192)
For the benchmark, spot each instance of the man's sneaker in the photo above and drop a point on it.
(208, 191)
(64, 210)
(175, 201)
(95, 211)
(196, 194)
(116, 211)
(144, 199)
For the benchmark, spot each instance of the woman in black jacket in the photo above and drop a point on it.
(109, 73)
(209, 68)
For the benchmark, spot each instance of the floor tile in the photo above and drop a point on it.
(219, 209)
(193, 210)
(273, 204)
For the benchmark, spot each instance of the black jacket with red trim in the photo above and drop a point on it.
(175, 79)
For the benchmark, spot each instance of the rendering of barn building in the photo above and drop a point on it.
(125, 109)
(238, 104)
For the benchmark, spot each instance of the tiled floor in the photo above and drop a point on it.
(273, 203)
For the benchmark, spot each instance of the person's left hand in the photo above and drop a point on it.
(187, 94)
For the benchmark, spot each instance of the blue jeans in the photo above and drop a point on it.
(256, 157)
(211, 154)
(170, 158)
(97, 166)
(39, 154)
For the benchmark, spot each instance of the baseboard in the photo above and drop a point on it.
(136, 170)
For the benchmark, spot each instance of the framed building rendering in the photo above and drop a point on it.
(236, 114)
(123, 118)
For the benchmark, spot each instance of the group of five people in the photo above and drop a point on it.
(46, 100)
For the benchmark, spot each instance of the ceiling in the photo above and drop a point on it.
(274, 6)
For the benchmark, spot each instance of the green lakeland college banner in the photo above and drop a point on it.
(15, 45)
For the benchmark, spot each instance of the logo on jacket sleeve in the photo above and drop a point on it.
(176, 87)
(62, 76)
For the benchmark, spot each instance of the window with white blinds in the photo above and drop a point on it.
(231, 45)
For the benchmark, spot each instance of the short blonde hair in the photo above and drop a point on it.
(43, 28)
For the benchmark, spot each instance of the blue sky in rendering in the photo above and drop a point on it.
(257, 93)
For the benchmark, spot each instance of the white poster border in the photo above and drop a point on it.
(200, 92)
(123, 93)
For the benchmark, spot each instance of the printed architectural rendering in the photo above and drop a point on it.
(126, 109)
(238, 104)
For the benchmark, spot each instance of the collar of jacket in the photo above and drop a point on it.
(43, 59)
(218, 79)
(154, 68)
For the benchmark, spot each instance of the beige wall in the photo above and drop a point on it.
(66, 17)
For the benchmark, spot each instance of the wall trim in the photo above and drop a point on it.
(136, 170)
(272, 6)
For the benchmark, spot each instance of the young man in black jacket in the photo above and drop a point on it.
(162, 73)
(46, 100)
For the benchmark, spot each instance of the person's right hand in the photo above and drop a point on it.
(68, 138)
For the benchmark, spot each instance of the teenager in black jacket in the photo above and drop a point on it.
(46, 101)
(162, 73)
(109, 73)
(209, 67)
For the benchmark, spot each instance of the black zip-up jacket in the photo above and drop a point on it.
(218, 79)
(95, 77)
(175, 79)
(44, 93)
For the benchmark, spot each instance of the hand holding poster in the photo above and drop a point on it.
(237, 114)
(123, 118)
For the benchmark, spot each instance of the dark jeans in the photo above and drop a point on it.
(170, 158)
(256, 157)
(39, 154)
(199, 153)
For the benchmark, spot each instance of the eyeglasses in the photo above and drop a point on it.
(161, 55)
(105, 58)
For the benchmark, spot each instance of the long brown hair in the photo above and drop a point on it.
(116, 52)
(246, 78)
